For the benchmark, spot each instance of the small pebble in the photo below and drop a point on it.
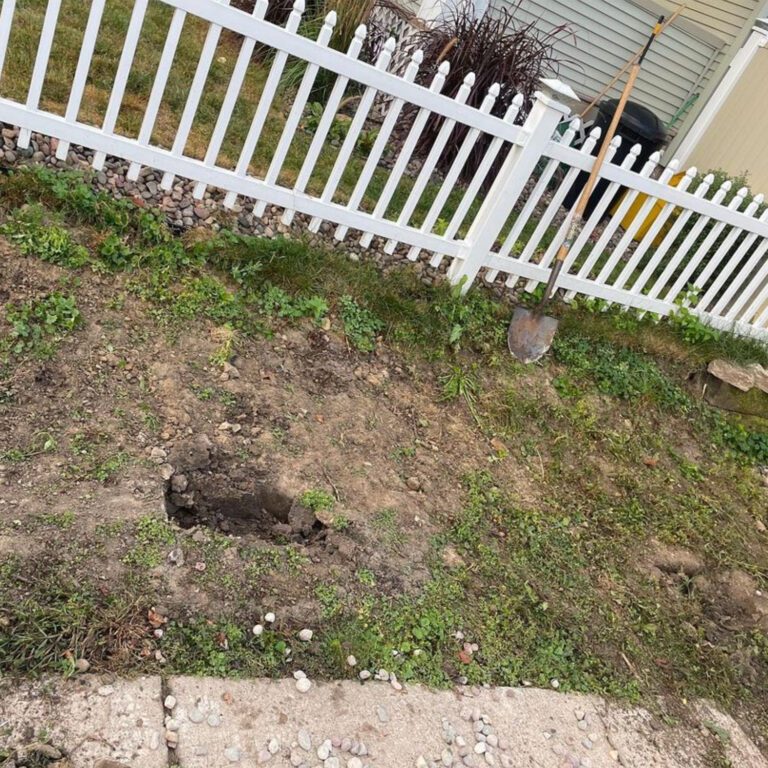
(305, 740)
(555, 683)
(364, 674)
(195, 715)
(296, 758)
(305, 635)
(354, 762)
(170, 702)
(447, 758)
(324, 750)
(82, 665)
(351, 661)
(303, 685)
(232, 754)
(298, 674)
(332, 762)
(258, 630)
(480, 748)
(579, 713)
(213, 720)
(105, 690)
(273, 746)
(269, 618)
(586, 743)
(264, 756)
(383, 715)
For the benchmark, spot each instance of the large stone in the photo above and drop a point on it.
(736, 388)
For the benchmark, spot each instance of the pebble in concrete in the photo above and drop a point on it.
(305, 740)
(303, 685)
(232, 754)
(273, 746)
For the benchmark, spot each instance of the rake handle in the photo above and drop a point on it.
(577, 222)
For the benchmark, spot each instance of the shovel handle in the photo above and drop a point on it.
(577, 220)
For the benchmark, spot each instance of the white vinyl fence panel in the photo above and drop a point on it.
(505, 225)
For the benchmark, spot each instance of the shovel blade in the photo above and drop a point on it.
(530, 335)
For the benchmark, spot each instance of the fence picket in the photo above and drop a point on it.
(406, 152)
(728, 242)
(431, 161)
(618, 216)
(81, 72)
(671, 295)
(473, 189)
(265, 102)
(755, 295)
(594, 219)
(326, 121)
(392, 114)
(6, 18)
(121, 77)
(195, 95)
(677, 227)
(722, 252)
(230, 99)
(533, 199)
(682, 251)
(41, 64)
(741, 278)
(158, 87)
(653, 230)
(630, 232)
(353, 133)
(457, 165)
(554, 205)
(297, 110)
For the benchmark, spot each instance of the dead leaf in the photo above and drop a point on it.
(650, 461)
(465, 658)
(155, 619)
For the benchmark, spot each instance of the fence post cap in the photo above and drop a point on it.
(556, 94)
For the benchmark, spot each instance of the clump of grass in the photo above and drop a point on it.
(317, 500)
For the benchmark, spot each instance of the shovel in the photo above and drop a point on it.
(531, 332)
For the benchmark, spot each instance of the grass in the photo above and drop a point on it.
(73, 16)
(550, 585)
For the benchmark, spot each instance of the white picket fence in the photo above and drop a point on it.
(728, 268)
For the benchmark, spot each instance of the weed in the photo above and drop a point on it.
(317, 501)
(63, 520)
(340, 523)
(360, 325)
(330, 602)
(38, 325)
(460, 383)
(366, 577)
(152, 536)
(53, 244)
(387, 527)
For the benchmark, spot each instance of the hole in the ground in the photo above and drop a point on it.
(253, 508)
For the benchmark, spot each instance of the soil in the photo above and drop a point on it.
(296, 412)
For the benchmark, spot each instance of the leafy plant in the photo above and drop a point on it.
(361, 326)
(316, 500)
(52, 243)
(38, 324)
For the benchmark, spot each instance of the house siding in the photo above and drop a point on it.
(603, 35)
(735, 139)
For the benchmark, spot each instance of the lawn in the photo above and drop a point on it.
(587, 523)
(73, 16)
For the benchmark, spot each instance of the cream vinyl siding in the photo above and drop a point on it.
(736, 139)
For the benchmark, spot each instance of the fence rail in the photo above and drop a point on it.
(505, 224)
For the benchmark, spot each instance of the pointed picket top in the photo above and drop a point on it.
(330, 19)
(655, 158)
(444, 68)
(469, 80)
(674, 164)
(758, 198)
(595, 133)
(513, 109)
(635, 151)
(360, 33)
(615, 143)
(490, 98)
(298, 6)
(494, 90)
(418, 57)
(692, 172)
(390, 45)
(743, 192)
(575, 125)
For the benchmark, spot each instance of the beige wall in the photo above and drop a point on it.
(737, 139)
